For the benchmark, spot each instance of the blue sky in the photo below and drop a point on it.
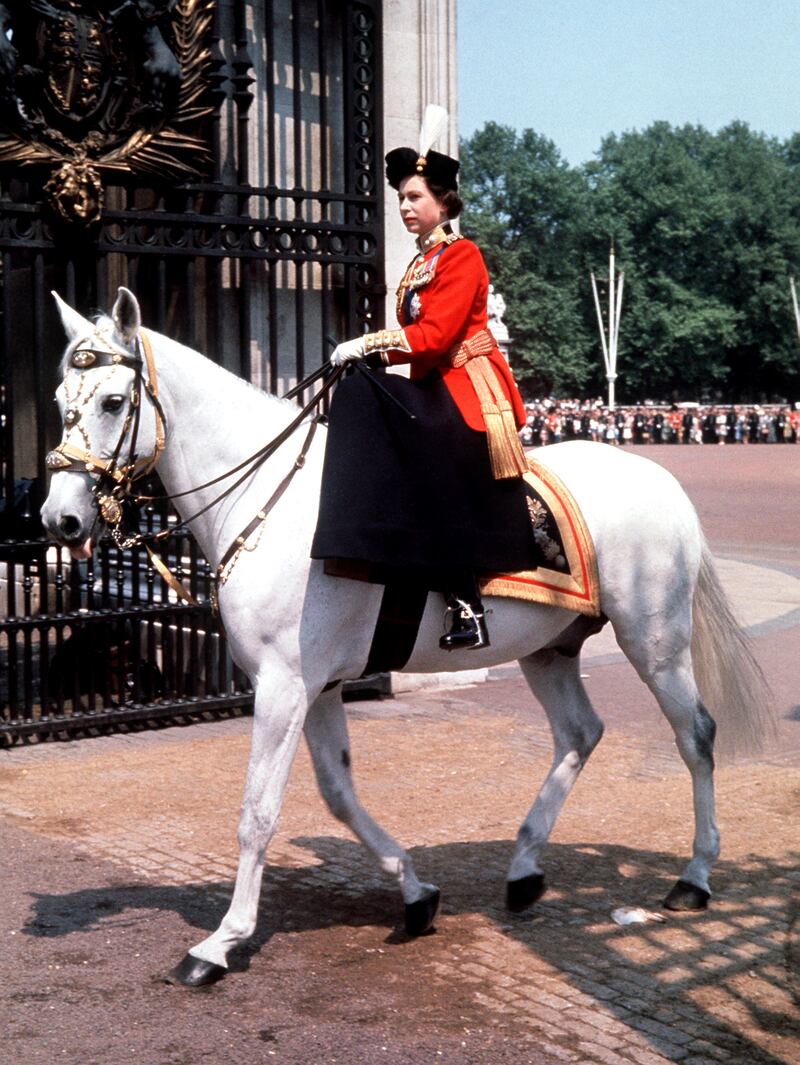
(575, 70)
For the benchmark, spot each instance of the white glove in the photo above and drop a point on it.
(349, 351)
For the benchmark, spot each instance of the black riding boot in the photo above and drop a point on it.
(465, 622)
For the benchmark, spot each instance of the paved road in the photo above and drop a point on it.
(118, 854)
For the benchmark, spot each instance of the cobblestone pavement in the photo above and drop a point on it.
(119, 854)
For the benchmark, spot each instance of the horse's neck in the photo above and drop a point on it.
(214, 422)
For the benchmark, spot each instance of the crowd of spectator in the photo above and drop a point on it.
(551, 421)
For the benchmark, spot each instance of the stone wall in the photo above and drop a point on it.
(419, 64)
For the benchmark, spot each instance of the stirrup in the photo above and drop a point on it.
(467, 627)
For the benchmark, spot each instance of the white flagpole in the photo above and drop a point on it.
(794, 304)
(600, 325)
(612, 330)
(610, 345)
(615, 344)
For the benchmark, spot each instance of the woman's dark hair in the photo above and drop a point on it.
(448, 198)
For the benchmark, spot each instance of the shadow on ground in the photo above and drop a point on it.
(725, 974)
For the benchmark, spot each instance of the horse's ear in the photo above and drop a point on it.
(75, 325)
(126, 314)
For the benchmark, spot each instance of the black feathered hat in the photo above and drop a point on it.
(436, 168)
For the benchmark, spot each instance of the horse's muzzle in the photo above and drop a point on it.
(70, 528)
(69, 518)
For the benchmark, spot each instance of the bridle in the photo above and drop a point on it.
(114, 479)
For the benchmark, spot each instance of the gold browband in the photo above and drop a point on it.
(94, 353)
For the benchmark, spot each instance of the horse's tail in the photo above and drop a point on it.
(730, 680)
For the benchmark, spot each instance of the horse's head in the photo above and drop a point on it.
(112, 434)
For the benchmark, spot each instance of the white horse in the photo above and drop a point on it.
(295, 630)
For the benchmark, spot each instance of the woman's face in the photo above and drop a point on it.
(419, 208)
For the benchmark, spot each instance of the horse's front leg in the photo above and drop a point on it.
(326, 733)
(280, 710)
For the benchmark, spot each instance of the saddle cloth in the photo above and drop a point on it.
(563, 571)
(566, 570)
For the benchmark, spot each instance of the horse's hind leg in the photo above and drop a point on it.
(554, 678)
(674, 687)
(326, 733)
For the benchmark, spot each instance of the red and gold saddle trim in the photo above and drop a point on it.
(576, 587)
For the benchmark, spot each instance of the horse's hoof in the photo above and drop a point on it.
(195, 972)
(522, 893)
(420, 914)
(686, 896)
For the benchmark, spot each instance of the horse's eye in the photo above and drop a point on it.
(111, 404)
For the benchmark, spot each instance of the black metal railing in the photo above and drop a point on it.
(255, 263)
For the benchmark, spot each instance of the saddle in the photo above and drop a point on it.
(563, 573)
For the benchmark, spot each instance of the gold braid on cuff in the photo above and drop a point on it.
(384, 341)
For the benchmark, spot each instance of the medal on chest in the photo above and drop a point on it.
(420, 272)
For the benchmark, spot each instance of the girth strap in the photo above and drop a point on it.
(397, 627)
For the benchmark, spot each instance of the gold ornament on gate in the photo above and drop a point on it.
(91, 90)
(76, 192)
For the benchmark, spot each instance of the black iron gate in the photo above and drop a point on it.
(249, 226)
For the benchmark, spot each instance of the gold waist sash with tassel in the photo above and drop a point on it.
(505, 450)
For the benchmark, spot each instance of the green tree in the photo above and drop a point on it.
(652, 193)
(525, 207)
(706, 227)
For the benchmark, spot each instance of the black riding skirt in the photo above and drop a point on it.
(415, 493)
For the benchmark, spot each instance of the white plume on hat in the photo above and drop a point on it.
(434, 126)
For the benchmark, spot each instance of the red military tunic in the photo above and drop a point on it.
(424, 496)
(442, 301)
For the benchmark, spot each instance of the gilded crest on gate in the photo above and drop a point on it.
(92, 87)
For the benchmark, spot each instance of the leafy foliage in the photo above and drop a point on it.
(706, 227)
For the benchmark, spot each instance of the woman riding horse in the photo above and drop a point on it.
(423, 475)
